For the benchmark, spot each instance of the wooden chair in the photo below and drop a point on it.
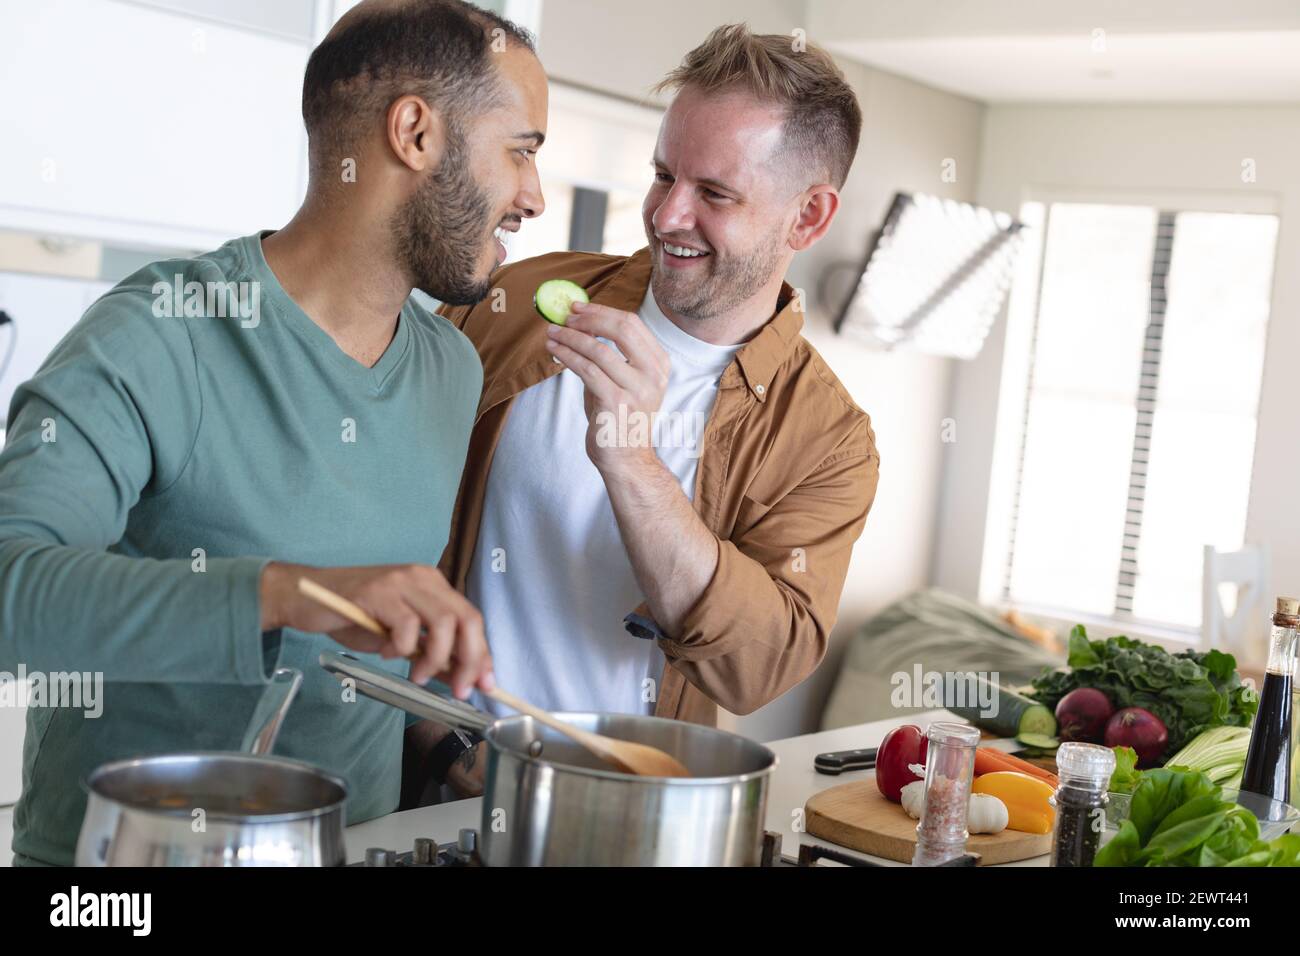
(1241, 633)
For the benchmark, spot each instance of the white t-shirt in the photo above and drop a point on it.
(550, 572)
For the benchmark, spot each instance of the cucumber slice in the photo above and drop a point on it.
(554, 298)
(1037, 721)
(1039, 741)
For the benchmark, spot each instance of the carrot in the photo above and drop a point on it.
(1032, 769)
(993, 760)
(988, 760)
(985, 762)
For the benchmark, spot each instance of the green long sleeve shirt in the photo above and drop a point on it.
(156, 462)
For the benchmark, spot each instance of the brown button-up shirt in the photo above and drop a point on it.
(787, 472)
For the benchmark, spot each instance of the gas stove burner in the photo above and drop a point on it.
(464, 852)
(428, 852)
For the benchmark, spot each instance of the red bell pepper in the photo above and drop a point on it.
(902, 746)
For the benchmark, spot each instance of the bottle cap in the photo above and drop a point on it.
(1092, 761)
(1288, 606)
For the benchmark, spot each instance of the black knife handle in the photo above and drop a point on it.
(842, 760)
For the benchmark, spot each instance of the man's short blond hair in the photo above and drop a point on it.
(822, 122)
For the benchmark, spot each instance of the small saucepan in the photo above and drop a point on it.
(217, 809)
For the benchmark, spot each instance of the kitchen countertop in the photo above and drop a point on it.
(793, 782)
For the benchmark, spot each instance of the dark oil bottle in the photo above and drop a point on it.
(1268, 758)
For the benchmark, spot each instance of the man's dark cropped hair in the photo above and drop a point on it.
(440, 50)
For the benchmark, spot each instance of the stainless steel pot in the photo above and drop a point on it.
(549, 802)
(217, 809)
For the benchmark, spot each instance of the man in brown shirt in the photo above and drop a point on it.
(739, 557)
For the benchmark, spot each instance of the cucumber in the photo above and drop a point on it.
(1039, 742)
(1013, 714)
(554, 297)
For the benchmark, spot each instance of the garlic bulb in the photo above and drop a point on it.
(985, 814)
(913, 798)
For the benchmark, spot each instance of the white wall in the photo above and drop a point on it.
(625, 48)
(909, 130)
(1160, 149)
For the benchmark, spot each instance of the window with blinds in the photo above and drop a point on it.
(1139, 430)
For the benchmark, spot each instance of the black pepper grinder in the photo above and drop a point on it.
(1080, 801)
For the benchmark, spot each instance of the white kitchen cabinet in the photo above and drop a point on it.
(13, 725)
(6, 836)
(43, 308)
(138, 124)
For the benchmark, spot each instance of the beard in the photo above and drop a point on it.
(439, 233)
(728, 280)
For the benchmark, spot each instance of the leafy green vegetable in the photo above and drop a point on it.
(1179, 818)
(1190, 691)
(1177, 842)
(1163, 791)
(1124, 849)
(1125, 777)
(1232, 842)
(1284, 851)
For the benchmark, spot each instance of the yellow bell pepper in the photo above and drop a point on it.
(1025, 796)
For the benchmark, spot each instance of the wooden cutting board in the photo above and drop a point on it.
(855, 815)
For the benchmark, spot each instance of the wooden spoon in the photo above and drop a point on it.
(629, 757)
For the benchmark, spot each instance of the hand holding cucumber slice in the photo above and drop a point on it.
(555, 297)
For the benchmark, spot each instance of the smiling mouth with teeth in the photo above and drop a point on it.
(682, 252)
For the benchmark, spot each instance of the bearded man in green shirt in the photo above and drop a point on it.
(175, 466)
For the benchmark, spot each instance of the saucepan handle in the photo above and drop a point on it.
(405, 695)
(268, 716)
